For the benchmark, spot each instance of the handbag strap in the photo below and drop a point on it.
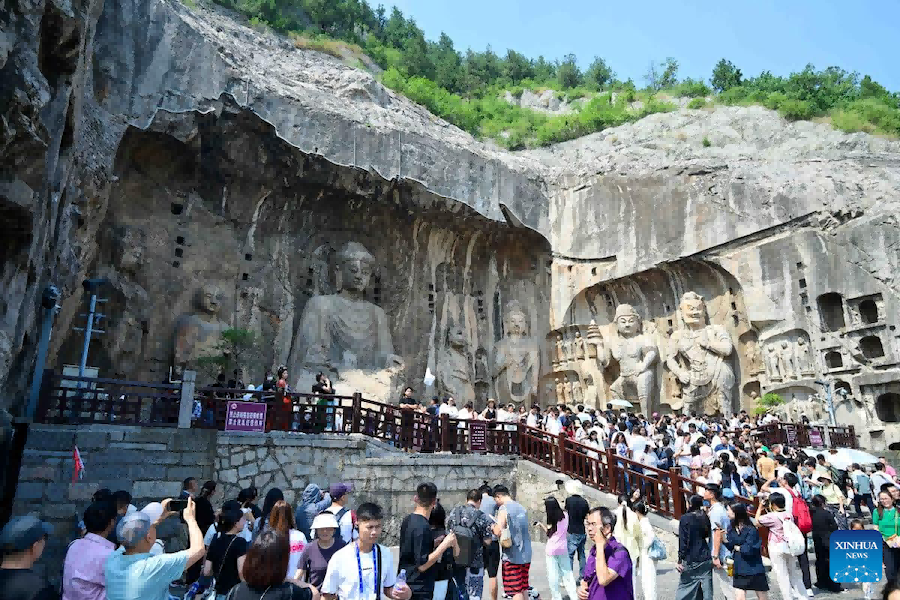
(224, 556)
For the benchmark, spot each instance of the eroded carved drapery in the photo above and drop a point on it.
(454, 367)
(517, 361)
(197, 334)
(697, 356)
(634, 351)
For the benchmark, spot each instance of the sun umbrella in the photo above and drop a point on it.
(622, 403)
(844, 457)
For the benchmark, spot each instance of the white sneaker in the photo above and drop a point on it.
(810, 594)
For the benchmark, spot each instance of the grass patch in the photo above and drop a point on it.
(326, 45)
(706, 142)
(869, 116)
(697, 103)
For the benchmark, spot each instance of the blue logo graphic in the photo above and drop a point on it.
(856, 556)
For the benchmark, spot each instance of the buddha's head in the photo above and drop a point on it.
(628, 322)
(456, 336)
(516, 320)
(356, 265)
(209, 300)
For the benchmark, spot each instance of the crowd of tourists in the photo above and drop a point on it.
(321, 548)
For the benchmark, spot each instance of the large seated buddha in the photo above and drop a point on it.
(344, 330)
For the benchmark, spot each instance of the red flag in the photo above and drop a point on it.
(78, 465)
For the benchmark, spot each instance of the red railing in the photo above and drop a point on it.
(66, 399)
(801, 435)
(73, 400)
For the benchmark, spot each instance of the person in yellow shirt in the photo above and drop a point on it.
(765, 466)
(834, 498)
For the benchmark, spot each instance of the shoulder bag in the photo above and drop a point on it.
(210, 593)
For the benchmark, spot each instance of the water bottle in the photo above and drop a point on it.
(192, 591)
(401, 580)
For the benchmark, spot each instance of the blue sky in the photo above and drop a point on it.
(781, 36)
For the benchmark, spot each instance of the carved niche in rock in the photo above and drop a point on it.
(517, 362)
(454, 366)
(344, 330)
(197, 334)
(634, 350)
(697, 355)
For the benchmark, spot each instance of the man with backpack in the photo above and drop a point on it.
(473, 533)
(340, 497)
(718, 518)
(862, 486)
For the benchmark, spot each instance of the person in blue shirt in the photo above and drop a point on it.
(718, 519)
(132, 573)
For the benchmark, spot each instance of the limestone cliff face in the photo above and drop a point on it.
(174, 150)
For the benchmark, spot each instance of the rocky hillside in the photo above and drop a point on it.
(235, 119)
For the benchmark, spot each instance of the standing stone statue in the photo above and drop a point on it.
(697, 356)
(786, 360)
(198, 334)
(773, 370)
(804, 358)
(560, 351)
(568, 350)
(567, 392)
(560, 391)
(344, 330)
(580, 350)
(577, 392)
(517, 359)
(754, 358)
(635, 352)
(454, 367)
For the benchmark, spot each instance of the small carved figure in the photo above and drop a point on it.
(567, 392)
(454, 367)
(635, 352)
(577, 392)
(560, 351)
(773, 369)
(560, 391)
(697, 357)
(517, 362)
(804, 357)
(345, 329)
(568, 350)
(580, 350)
(754, 359)
(786, 360)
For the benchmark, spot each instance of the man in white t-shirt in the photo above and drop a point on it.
(340, 497)
(532, 419)
(364, 569)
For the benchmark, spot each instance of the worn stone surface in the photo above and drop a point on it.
(172, 149)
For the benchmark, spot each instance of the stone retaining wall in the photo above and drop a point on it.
(151, 463)
(378, 472)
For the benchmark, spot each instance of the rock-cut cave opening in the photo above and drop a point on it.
(236, 207)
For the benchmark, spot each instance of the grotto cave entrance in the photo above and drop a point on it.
(231, 205)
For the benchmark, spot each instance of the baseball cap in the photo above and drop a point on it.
(133, 528)
(154, 511)
(324, 521)
(21, 532)
(339, 490)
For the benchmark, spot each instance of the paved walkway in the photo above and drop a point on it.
(667, 582)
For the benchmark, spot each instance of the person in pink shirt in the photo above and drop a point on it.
(559, 568)
(84, 576)
(887, 468)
